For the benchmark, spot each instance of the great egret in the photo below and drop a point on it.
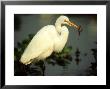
(49, 39)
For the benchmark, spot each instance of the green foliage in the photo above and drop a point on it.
(18, 51)
(61, 59)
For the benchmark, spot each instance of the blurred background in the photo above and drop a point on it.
(78, 58)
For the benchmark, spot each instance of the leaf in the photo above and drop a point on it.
(67, 49)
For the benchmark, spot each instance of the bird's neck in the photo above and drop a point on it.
(62, 39)
(64, 33)
(58, 27)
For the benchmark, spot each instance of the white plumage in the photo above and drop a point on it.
(50, 38)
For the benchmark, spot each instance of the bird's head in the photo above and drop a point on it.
(65, 20)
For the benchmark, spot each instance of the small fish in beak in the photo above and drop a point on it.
(74, 25)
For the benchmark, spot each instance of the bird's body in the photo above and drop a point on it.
(47, 40)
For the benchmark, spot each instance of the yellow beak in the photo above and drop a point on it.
(73, 24)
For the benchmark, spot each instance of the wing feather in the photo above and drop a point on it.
(40, 43)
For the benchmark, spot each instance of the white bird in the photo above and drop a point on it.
(49, 39)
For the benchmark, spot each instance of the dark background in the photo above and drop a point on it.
(84, 47)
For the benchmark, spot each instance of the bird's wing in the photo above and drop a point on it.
(40, 43)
